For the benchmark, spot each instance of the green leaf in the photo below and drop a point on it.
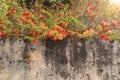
(52, 1)
(5, 6)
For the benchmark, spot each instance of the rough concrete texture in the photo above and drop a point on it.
(69, 59)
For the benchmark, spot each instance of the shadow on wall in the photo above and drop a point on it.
(69, 59)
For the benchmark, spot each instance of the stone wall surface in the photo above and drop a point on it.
(69, 59)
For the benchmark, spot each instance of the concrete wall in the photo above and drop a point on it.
(69, 59)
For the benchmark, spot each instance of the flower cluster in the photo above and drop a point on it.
(57, 33)
(57, 25)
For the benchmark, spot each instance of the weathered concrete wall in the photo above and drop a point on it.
(69, 59)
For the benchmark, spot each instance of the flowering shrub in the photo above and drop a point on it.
(84, 19)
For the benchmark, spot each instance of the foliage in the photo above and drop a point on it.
(58, 19)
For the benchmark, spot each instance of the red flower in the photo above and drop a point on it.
(27, 15)
(101, 36)
(34, 22)
(106, 38)
(7, 14)
(5, 34)
(32, 33)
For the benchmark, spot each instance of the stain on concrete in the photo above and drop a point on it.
(68, 59)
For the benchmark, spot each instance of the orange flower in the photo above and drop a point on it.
(88, 32)
(35, 40)
(43, 37)
(118, 23)
(77, 36)
(91, 15)
(24, 19)
(79, 16)
(17, 20)
(106, 38)
(41, 16)
(103, 23)
(92, 24)
(42, 24)
(28, 18)
(1, 33)
(16, 34)
(109, 32)
(55, 39)
(13, 10)
(64, 34)
(72, 34)
(52, 33)
(63, 24)
(113, 23)
(29, 21)
(61, 33)
(93, 7)
(1, 24)
(16, 30)
(61, 5)
(97, 1)
(88, 11)
(60, 36)
(44, 12)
